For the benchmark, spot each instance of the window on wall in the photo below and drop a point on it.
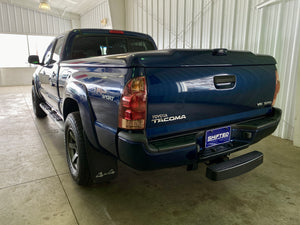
(15, 49)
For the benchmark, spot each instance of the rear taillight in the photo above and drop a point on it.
(133, 105)
(277, 88)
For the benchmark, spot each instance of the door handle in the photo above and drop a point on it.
(224, 81)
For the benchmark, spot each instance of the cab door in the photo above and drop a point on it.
(48, 75)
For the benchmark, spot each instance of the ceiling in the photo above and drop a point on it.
(78, 7)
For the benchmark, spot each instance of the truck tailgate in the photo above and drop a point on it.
(192, 97)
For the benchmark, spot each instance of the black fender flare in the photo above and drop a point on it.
(76, 91)
(35, 82)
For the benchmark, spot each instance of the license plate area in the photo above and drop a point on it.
(217, 136)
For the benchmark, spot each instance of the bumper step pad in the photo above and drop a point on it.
(234, 167)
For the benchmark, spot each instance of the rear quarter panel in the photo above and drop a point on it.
(104, 86)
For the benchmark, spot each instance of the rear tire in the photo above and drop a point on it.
(75, 150)
(36, 101)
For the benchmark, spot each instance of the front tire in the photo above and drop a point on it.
(75, 150)
(36, 101)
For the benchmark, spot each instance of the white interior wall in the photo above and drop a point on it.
(117, 12)
(92, 19)
(231, 24)
(15, 19)
(19, 20)
(297, 109)
(16, 76)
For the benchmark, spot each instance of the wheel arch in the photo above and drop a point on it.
(36, 84)
(70, 105)
(76, 99)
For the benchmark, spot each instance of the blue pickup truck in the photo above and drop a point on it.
(119, 98)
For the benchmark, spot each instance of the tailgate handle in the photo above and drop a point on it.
(224, 82)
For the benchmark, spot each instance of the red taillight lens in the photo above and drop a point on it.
(277, 88)
(133, 105)
(116, 32)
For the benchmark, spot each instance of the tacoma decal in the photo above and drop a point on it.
(163, 118)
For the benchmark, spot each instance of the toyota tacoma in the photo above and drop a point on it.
(119, 98)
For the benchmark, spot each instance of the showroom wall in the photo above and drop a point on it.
(93, 18)
(112, 11)
(16, 76)
(18, 20)
(240, 25)
(15, 19)
(297, 109)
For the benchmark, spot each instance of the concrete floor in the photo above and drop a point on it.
(36, 188)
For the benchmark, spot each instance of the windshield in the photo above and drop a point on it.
(84, 46)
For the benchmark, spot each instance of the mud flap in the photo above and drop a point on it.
(103, 166)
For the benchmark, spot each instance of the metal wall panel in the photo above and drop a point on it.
(232, 24)
(92, 19)
(17, 20)
(228, 24)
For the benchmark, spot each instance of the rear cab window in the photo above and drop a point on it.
(91, 45)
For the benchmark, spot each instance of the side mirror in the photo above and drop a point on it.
(34, 59)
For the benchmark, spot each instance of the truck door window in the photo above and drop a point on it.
(57, 50)
(47, 55)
